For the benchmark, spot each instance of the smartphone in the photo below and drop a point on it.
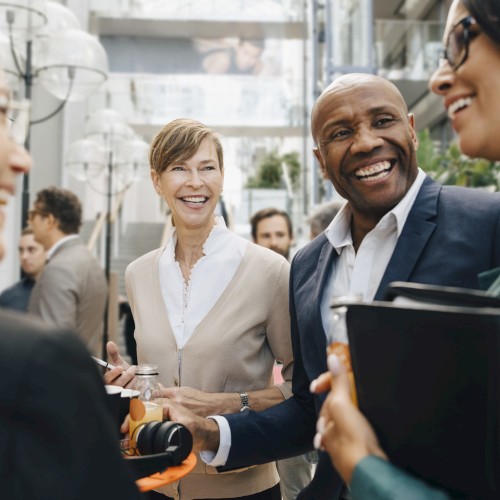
(102, 363)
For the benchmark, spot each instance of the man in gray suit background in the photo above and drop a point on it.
(72, 290)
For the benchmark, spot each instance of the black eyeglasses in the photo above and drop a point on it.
(457, 44)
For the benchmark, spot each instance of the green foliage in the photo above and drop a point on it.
(270, 171)
(453, 168)
(291, 160)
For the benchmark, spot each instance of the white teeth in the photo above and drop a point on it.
(371, 170)
(374, 177)
(195, 199)
(458, 104)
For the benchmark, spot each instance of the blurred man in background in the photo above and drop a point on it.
(272, 228)
(72, 290)
(32, 259)
(321, 217)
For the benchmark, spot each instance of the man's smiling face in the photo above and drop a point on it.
(366, 143)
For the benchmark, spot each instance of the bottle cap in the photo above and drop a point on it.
(147, 370)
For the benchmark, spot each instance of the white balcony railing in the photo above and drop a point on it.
(218, 100)
(220, 10)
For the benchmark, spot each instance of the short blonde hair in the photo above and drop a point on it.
(178, 141)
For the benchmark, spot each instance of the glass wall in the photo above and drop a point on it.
(407, 49)
(236, 65)
(256, 10)
(349, 36)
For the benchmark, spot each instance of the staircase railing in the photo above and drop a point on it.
(112, 310)
(96, 231)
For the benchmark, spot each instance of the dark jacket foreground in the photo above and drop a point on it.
(57, 440)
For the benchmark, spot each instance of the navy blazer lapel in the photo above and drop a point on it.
(417, 230)
(322, 274)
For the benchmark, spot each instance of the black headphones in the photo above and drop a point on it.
(161, 445)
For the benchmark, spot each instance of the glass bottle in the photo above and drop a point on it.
(147, 407)
(337, 338)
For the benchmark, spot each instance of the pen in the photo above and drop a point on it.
(105, 364)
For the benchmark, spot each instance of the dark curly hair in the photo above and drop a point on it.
(63, 205)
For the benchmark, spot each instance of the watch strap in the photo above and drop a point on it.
(244, 401)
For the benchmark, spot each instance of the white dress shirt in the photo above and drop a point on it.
(352, 273)
(188, 303)
(360, 273)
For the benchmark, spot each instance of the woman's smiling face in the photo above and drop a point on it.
(192, 188)
(471, 92)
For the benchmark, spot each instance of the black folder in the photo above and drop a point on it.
(428, 380)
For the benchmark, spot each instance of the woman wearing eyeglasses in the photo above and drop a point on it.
(469, 76)
(469, 80)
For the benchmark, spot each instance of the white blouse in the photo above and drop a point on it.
(188, 303)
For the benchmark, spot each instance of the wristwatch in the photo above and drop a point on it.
(244, 401)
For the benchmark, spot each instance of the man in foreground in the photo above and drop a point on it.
(57, 439)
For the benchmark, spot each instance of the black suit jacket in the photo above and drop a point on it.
(451, 234)
(57, 440)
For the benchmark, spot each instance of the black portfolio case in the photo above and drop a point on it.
(428, 380)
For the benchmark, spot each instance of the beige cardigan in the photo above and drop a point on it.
(232, 349)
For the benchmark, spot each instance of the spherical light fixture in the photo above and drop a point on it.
(71, 64)
(85, 159)
(22, 18)
(109, 128)
(131, 161)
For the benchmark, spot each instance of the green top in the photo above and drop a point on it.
(490, 281)
(378, 479)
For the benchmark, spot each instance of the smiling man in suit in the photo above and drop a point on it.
(72, 290)
(397, 225)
